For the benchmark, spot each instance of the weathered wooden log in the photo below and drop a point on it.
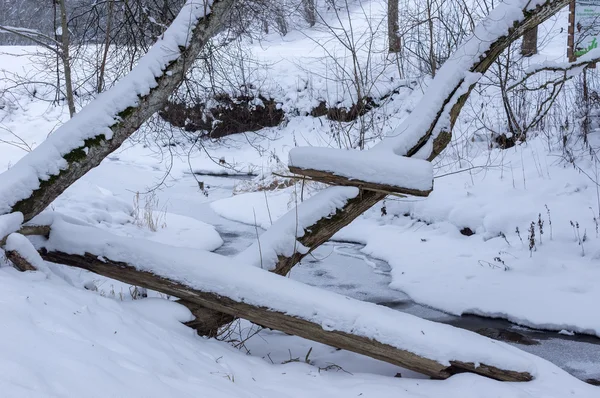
(279, 320)
(329, 178)
(19, 262)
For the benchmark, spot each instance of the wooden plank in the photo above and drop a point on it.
(278, 320)
(330, 178)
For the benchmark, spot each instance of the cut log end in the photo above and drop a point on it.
(330, 178)
(19, 262)
(488, 371)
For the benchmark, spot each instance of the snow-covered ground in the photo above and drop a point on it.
(62, 339)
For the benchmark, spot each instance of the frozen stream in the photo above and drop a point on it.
(341, 267)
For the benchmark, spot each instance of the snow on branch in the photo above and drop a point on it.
(35, 36)
(567, 70)
(100, 128)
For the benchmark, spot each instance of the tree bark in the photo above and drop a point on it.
(284, 322)
(66, 58)
(394, 41)
(529, 44)
(310, 12)
(19, 262)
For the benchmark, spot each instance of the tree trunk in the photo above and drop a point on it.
(103, 60)
(529, 44)
(284, 321)
(430, 27)
(394, 41)
(66, 61)
(310, 12)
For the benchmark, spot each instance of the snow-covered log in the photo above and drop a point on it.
(283, 239)
(222, 284)
(364, 169)
(21, 252)
(101, 127)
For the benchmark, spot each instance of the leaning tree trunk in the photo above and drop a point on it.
(286, 321)
(84, 156)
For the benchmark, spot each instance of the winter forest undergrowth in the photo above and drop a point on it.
(300, 198)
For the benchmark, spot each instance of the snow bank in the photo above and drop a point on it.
(374, 167)
(60, 341)
(210, 272)
(98, 116)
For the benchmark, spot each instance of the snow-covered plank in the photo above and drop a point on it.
(386, 172)
(21, 252)
(221, 283)
(101, 127)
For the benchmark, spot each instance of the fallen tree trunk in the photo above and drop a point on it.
(285, 321)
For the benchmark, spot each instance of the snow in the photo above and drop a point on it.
(46, 160)
(374, 167)
(10, 223)
(58, 339)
